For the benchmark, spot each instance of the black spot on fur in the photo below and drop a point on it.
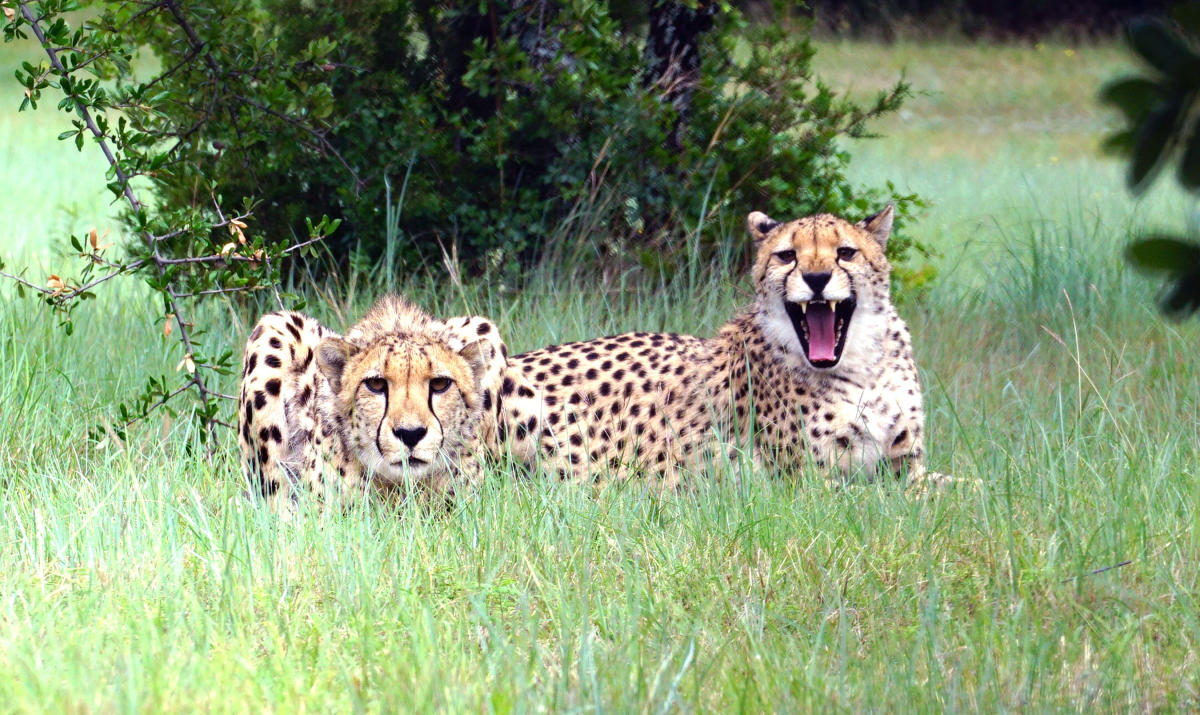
(273, 361)
(257, 332)
(484, 328)
(303, 364)
(273, 386)
(260, 400)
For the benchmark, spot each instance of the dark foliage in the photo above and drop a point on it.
(497, 123)
(981, 18)
(1161, 126)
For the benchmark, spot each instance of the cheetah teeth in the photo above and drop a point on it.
(833, 304)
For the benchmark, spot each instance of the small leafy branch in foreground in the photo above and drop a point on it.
(148, 131)
(1162, 115)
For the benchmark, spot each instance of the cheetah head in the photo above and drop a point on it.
(821, 284)
(407, 404)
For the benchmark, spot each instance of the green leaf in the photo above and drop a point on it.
(1119, 144)
(1165, 50)
(1133, 96)
(1150, 145)
(1168, 254)
(1187, 16)
(1189, 162)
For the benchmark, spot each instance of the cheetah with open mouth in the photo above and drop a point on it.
(818, 369)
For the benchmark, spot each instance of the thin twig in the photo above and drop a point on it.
(1098, 571)
(219, 291)
(123, 179)
(321, 139)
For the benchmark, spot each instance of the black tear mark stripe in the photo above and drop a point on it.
(441, 431)
(379, 427)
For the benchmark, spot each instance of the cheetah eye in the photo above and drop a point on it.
(786, 256)
(376, 384)
(438, 385)
(845, 253)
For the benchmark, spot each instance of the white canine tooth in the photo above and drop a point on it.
(833, 305)
(804, 307)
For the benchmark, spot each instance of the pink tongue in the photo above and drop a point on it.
(820, 332)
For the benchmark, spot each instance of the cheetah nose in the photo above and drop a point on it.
(408, 436)
(817, 281)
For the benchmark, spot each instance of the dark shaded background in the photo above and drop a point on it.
(885, 19)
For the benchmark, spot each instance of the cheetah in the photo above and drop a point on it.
(818, 369)
(400, 399)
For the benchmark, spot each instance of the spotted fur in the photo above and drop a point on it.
(651, 403)
(401, 399)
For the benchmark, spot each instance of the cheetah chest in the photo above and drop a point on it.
(853, 421)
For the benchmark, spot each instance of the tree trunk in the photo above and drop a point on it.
(671, 57)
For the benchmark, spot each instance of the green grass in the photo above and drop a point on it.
(134, 577)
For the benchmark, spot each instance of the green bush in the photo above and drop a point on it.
(496, 122)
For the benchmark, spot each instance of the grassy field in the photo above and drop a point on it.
(135, 578)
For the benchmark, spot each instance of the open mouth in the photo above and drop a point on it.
(821, 326)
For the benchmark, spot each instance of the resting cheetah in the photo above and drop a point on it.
(819, 367)
(400, 397)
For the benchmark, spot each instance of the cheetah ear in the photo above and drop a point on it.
(760, 225)
(879, 225)
(478, 354)
(332, 355)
